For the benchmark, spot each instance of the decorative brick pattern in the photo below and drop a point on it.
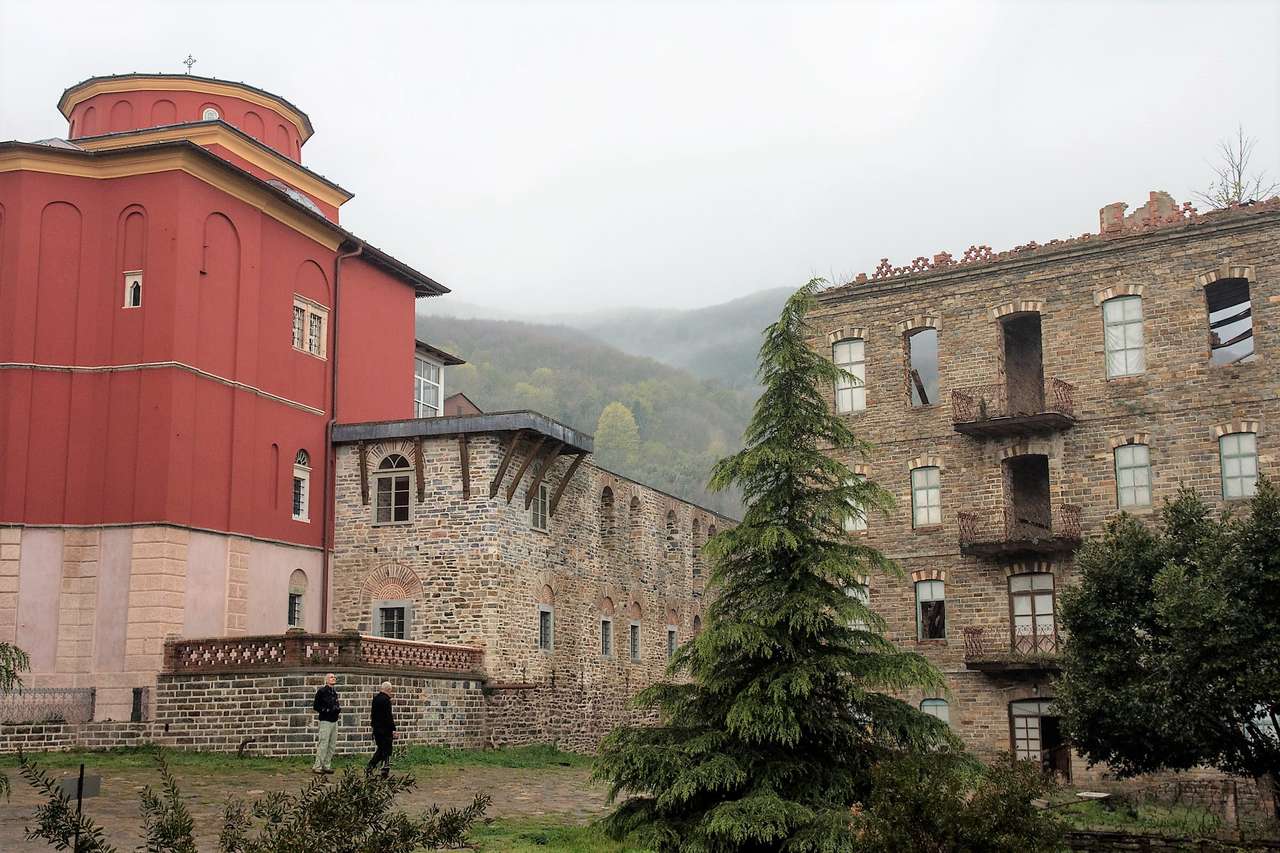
(300, 649)
(1114, 290)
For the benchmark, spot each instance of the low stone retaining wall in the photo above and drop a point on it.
(1119, 842)
(60, 737)
(573, 717)
(270, 713)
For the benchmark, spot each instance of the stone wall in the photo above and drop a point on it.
(1177, 406)
(271, 711)
(1120, 842)
(616, 553)
(60, 737)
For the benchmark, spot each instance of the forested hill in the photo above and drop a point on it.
(663, 426)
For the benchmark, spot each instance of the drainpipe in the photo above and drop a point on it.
(330, 476)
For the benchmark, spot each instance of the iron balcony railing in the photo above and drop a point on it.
(994, 409)
(47, 705)
(1020, 528)
(987, 648)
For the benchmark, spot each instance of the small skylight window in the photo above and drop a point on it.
(209, 114)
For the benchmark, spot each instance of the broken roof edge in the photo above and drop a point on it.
(981, 258)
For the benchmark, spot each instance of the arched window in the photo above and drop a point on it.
(297, 598)
(210, 114)
(697, 624)
(1122, 336)
(634, 518)
(301, 486)
(391, 502)
(608, 522)
(133, 289)
(546, 619)
(937, 708)
(850, 356)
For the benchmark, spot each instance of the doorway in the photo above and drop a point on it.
(1036, 735)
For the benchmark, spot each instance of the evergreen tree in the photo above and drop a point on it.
(774, 715)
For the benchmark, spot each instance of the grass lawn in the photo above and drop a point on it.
(1143, 818)
(528, 835)
(413, 758)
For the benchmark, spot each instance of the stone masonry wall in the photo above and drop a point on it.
(216, 713)
(1176, 406)
(477, 574)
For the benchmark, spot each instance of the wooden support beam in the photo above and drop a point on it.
(564, 481)
(465, 458)
(524, 466)
(364, 473)
(512, 443)
(417, 470)
(553, 453)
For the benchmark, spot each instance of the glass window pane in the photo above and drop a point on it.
(1021, 605)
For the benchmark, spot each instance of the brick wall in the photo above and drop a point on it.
(1119, 842)
(218, 712)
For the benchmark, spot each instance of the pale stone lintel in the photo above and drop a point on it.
(1238, 425)
(919, 321)
(860, 469)
(1022, 306)
(1026, 567)
(1111, 292)
(929, 575)
(1132, 438)
(846, 333)
(927, 460)
(1227, 270)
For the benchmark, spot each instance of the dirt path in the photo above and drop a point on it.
(515, 792)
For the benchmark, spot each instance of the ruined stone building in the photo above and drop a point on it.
(1018, 400)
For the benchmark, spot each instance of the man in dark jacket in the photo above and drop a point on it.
(327, 709)
(384, 729)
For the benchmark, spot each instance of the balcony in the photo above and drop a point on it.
(986, 411)
(988, 650)
(1021, 530)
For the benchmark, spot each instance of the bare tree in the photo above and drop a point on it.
(1232, 183)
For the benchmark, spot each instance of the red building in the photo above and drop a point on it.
(184, 321)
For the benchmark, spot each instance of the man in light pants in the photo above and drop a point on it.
(328, 709)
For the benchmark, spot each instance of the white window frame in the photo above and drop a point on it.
(310, 313)
(851, 396)
(391, 475)
(937, 708)
(606, 636)
(935, 590)
(1133, 475)
(926, 513)
(539, 517)
(862, 593)
(131, 278)
(421, 408)
(210, 114)
(633, 641)
(300, 509)
(550, 611)
(856, 522)
(1123, 338)
(1239, 469)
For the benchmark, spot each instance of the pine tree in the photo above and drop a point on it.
(774, 714)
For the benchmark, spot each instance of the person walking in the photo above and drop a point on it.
(384, 729)
(327, 709)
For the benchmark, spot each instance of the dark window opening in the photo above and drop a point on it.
(1230, 321)
(1023, 364)
(1028, 514)
(922, 367)
(635, 642)
(931, 610)
(391, 622)
(606, 638)
(544, 630)
(295, 610)
(671, 643)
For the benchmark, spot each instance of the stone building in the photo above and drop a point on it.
(496, 531)
(1018, 400)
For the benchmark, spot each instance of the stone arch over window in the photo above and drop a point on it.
(608, 518)
(926, 460)
(929, 575)
(392, 581)
(846, 333)
(1027, 447)
(1130, 438)
(635, 610)
(606, 606)
(1021, 306)
(1113, 291)
(1029, 567)
(1227, 270)
(1237, 425)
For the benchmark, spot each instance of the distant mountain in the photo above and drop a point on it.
(719, 342)
(674, 427)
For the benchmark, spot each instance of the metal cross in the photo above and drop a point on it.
(189, 61)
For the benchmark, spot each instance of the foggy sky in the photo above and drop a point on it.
(550, 157)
